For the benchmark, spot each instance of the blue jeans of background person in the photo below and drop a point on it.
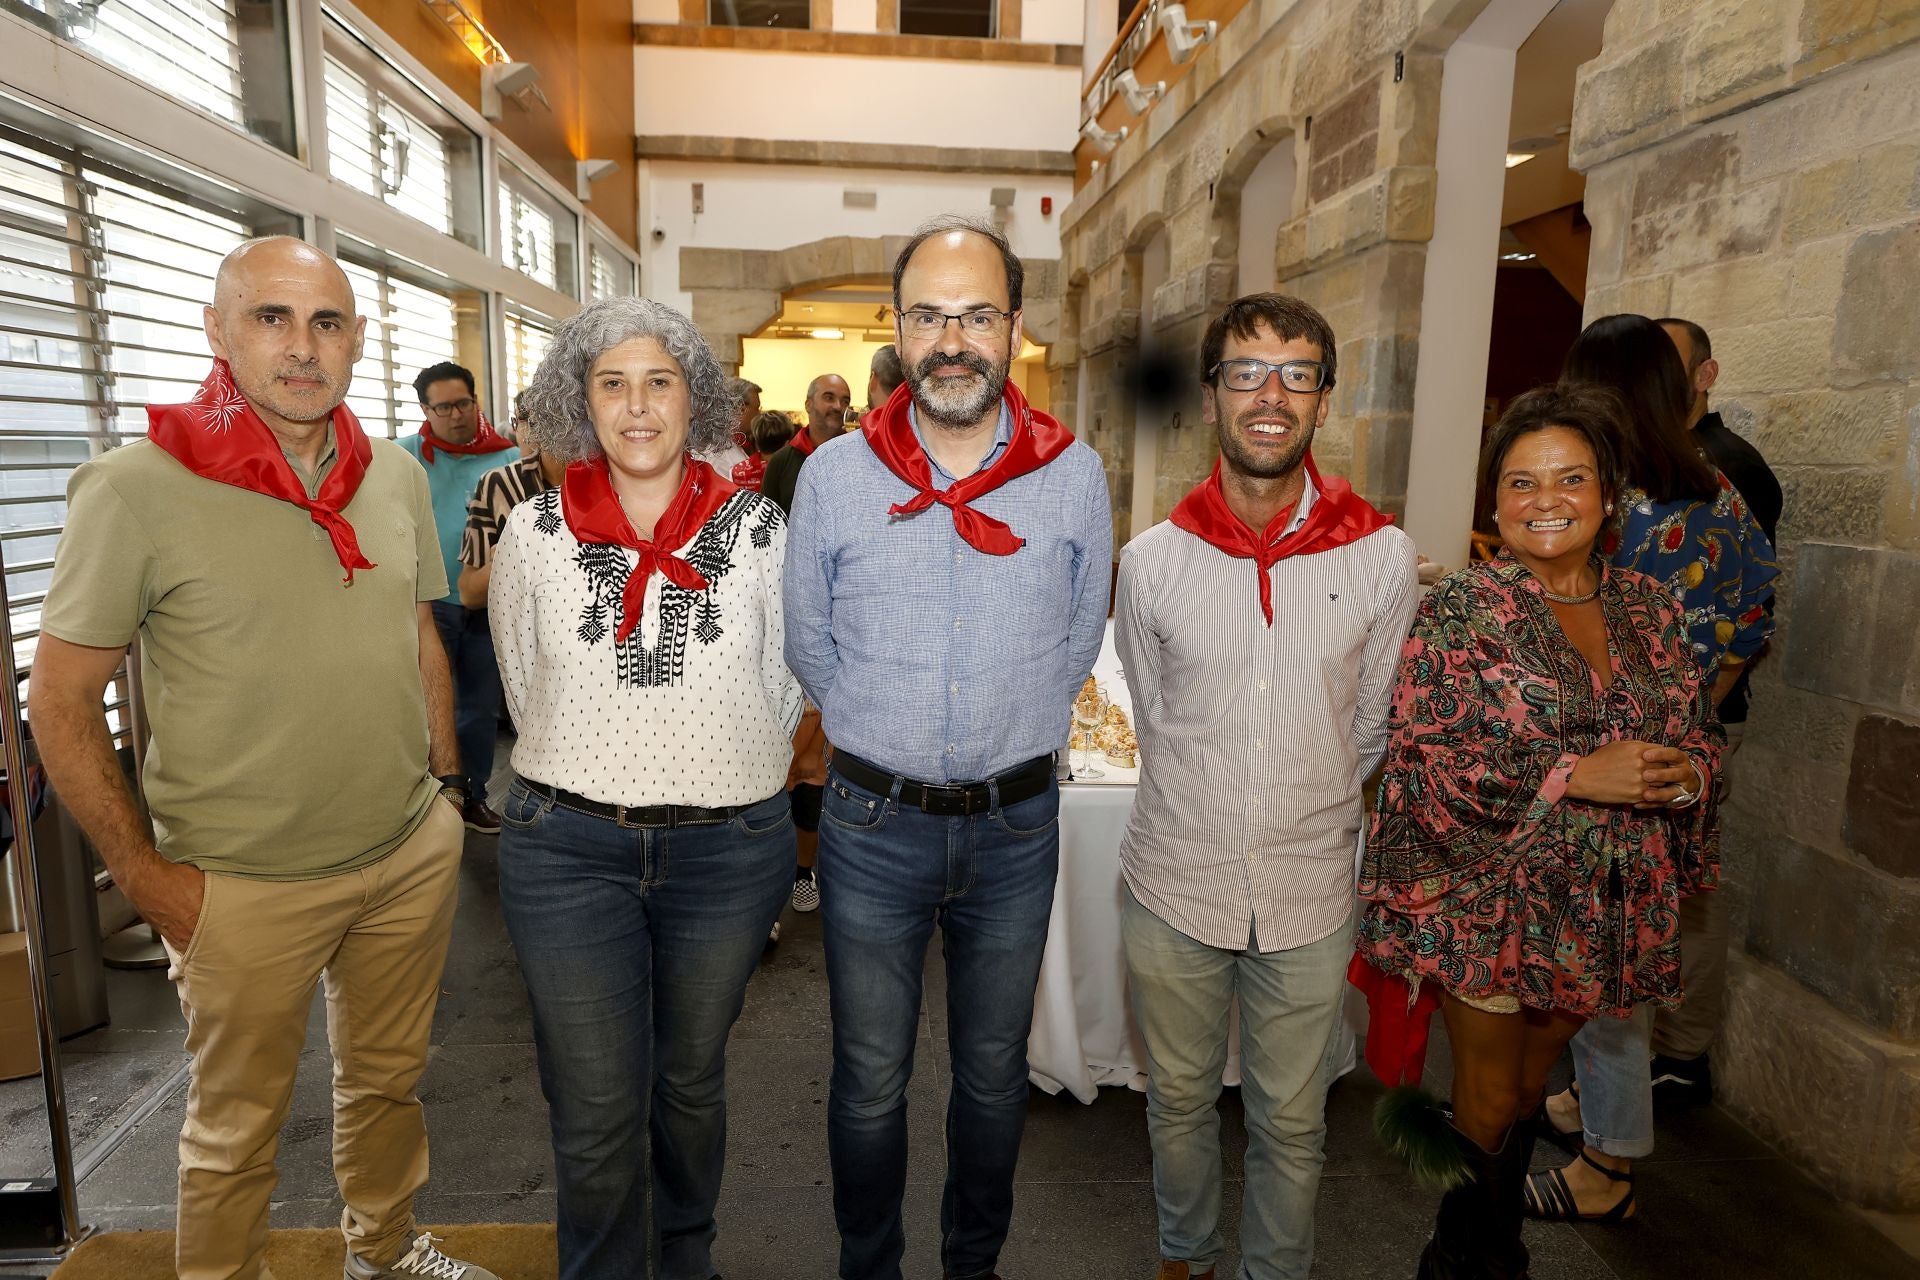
(476, 689)
(888, 873)
(1182, 992)
(1616, 1087)
(636, 945)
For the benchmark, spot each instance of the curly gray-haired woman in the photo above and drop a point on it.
(647, 843)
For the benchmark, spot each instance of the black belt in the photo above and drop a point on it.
(950, 799)
(646, 815)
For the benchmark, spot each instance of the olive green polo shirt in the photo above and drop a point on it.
(289, 723)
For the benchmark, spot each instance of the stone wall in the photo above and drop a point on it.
(1756, 168)
(1355, 85)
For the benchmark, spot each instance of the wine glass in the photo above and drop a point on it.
(1088, 715)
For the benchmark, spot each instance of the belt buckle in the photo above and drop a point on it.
(620, 812)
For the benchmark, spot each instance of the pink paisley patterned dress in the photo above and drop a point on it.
(1480, 873)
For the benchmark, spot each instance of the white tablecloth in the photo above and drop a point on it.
(1083, 1035)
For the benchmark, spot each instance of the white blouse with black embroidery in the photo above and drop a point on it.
(696, 708)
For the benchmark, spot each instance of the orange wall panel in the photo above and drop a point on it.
(584, 49)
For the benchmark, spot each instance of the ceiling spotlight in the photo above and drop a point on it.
(1515, 158)
(1139, 97)
(1104, 141)
(1183, 37)
(588, 172)
(829, 335)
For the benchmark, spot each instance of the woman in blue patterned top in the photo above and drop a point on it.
(1681, 522)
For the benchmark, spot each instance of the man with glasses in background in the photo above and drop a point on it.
(456, 444)
(1260, 628)
(946, 595)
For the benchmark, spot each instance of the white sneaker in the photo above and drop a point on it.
(422, 1262)
(806, 894)
(773, 935)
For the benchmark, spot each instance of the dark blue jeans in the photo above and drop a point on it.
(636, 945)
(476, 689)
(888, 874)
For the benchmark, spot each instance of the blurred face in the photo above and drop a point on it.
(957, 375)
(452, 411)
(641, 407)
(1264, 433)
(743, 425)
(283, 318)
(1549, 506)
(1701, 376)
(827, 406)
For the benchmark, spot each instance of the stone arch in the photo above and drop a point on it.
(1256, 145)
(736, 292)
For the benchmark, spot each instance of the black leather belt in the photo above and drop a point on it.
(646, 815)
(950, 799)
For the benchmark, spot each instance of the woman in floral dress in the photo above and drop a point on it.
(1680, 522)
(1544, 806)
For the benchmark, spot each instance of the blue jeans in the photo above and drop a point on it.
(476, 689)
(1182, 991)
(636, 945)
(888, 874)
(1616, 1088)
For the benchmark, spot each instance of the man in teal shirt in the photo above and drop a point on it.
(457, 445)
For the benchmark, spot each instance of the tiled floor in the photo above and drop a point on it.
(1714, 1201)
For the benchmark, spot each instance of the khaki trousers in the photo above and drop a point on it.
(379, 935)
(1688, 1031)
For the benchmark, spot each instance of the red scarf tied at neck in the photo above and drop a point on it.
(1037, 440)
(219, 436)
(485, 440)
(1338, 516)
(594, 514)
(803, 441)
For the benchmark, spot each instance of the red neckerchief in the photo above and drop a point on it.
(1037, 440)
(751, 473)
(1399, 1021)
(803, 442)
(485, 440)
(594, 514)
(1338, 516)
(218, 435)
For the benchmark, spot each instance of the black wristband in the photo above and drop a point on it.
(454, 782)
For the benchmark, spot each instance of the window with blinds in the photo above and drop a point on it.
(386, 138)
(103, 275)
(412, 322)
(541, 233)
(610, 273)
(529, 334)
(228, 58)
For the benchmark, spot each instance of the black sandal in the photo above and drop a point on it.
(1549, 1198)
(1571, 1141)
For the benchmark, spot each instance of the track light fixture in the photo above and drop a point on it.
(1103, 140)
(1139, 97)
(1183, 37)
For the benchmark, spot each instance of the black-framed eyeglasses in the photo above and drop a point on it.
(450, 408)
(983, 322)
(1300, 376)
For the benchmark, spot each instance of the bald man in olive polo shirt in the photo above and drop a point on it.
(297, 690)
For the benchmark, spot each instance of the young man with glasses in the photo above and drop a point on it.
(457, 445)
(1260, 627)
(946, 595)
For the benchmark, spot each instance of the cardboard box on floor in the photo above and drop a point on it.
(19, 1046)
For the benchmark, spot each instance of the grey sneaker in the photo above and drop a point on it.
(422, 1262)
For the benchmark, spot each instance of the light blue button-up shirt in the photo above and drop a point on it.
(927, 657)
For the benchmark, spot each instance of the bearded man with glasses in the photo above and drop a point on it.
(1260, 628)
(946, 595)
